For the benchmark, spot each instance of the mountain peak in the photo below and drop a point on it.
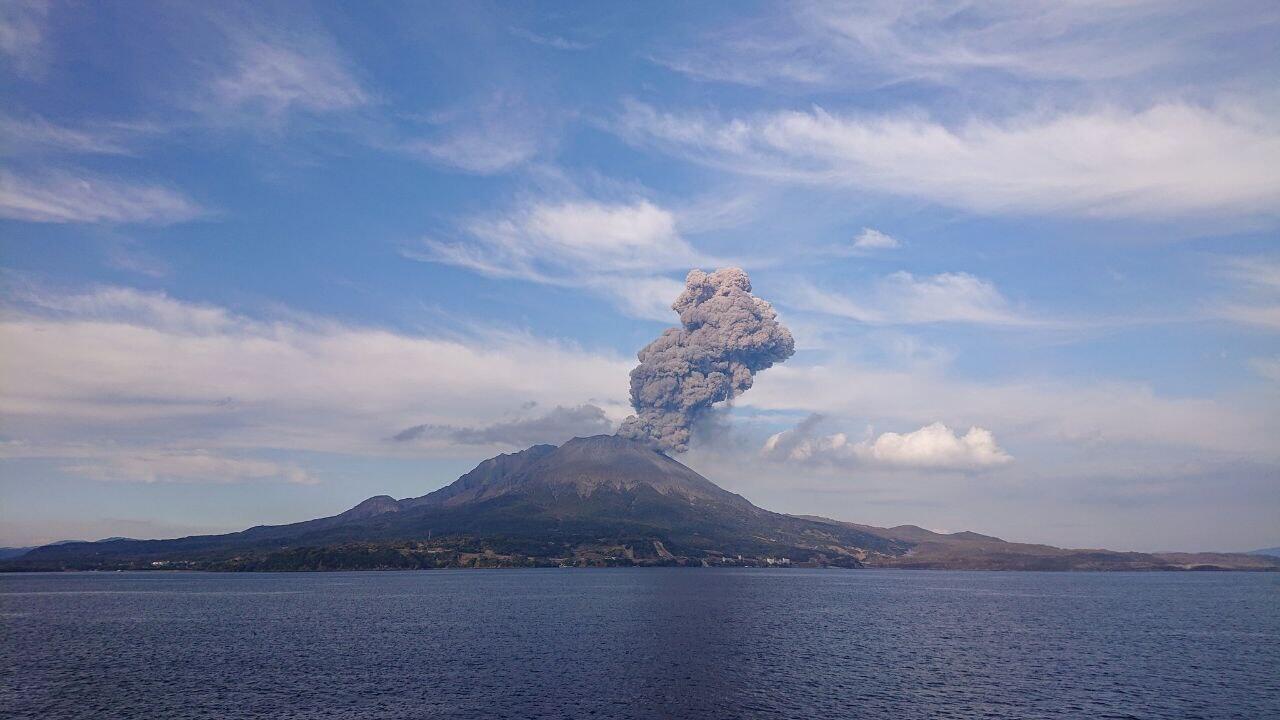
(585, 464)
(375, 505)
(590, 464)
(607, 442)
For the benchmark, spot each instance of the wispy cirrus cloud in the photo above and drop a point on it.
(1255, 299)
(23, 36)
(552, 41)
(189, 467)
(1267, 367)
(616, 249)
(34, 135)
(902, 298)
(881, 42)
(266, 70)
(480, 151)
(485, 137)
(1167, 160)
(145, 374)
(275, 79)
(68, 196)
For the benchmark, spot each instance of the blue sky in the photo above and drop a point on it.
(1028, 252)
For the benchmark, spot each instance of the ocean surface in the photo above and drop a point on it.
(640, 643)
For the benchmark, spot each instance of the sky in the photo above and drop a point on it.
(259, 262)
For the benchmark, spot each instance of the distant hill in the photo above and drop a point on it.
(13, 552)
(1272, 552)
(972, 551)
(597, 501)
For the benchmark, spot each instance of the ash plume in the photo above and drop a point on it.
(727, 335)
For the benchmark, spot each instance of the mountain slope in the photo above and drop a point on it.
(601, 500)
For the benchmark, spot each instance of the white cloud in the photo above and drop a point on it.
(34, 134)
(880, 42)
(1260, 273)
(638, 236)
(551, 41)
(936, 446)
(614, 249)
(485, 137)
(904, 299)
(274, 77)
(1262, 316)
(1268, 368)
(189, 467)
(22, 35)
(647, 297)
(1256, 297)
(77, 197)
(872, 239)
(118, 368)
(933, 446)
(1171, 159)
(124, 254)
(1111, 415)
(481, 151)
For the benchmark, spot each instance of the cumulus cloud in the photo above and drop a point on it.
(617, 249)
(902, 298)
(554, 427)
(190, 467)
(936, 446)
(933, 446)
(1169, 159)
(80, 197)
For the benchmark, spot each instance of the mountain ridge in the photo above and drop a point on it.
(596, 501)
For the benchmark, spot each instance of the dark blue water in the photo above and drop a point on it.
(648, 643)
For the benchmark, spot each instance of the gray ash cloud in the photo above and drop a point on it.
(727, 335)
(555, 426)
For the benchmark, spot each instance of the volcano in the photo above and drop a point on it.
(601, 500)
(594, 501)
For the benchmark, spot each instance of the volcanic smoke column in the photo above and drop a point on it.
(727, 336)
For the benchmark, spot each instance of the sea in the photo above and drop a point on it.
(640, 643)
